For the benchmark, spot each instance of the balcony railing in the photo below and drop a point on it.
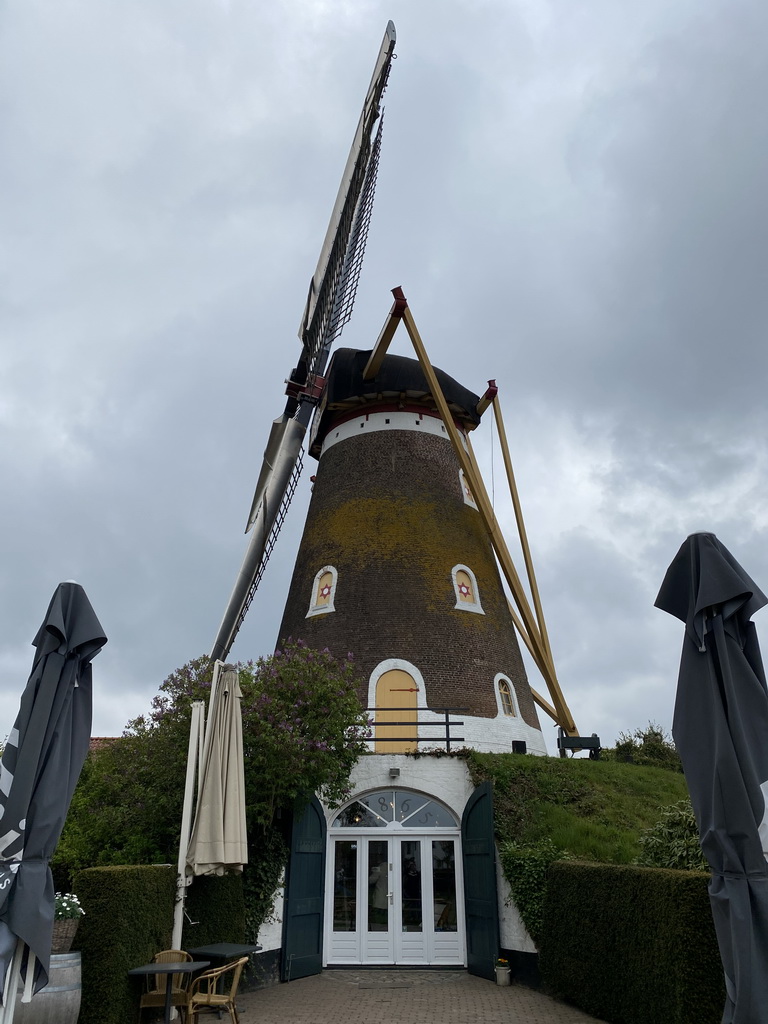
(442, 720)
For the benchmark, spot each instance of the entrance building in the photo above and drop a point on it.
(394, 891)
(404, 874)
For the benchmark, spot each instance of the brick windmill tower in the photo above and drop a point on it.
(396, 566)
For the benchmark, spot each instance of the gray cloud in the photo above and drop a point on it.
(572, 197)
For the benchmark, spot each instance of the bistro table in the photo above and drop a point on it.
(185, 967)
(225, 950)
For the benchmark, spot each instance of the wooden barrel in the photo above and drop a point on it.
(59, 1001)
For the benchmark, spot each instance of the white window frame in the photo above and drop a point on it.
(499, 678)
(465, 606)
(323, 609)
(402, 666)
(466, 491)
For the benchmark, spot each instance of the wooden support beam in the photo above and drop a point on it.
(521, 527)
(487, 398)
(373, 365)
(546, 707)
(505, 560)
(468, 465)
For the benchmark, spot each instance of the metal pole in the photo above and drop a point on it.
(11, 984)
(195, 730)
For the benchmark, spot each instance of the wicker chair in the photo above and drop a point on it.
(203, 991)
(154, 997)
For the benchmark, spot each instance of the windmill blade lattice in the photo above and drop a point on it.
(329, 304)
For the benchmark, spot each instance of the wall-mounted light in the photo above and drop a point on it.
(394, 773)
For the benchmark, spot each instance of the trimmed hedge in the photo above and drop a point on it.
(129, 917)
(217, 908)
(631, 945)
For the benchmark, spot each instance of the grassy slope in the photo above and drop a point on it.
(595, 810)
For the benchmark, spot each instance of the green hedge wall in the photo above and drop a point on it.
(631, 945)
(216, 909)
(129, 917)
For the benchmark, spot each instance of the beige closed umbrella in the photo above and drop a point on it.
(218, 841)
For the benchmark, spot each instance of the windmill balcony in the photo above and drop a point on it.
(401, 730)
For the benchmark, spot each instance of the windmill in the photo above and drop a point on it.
(312, 387)
(401, 562)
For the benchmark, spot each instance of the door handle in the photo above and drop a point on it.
(390, 895)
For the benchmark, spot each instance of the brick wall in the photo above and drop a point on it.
(388, 512)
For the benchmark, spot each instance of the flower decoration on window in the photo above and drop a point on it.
(465, 587)
(323, 592)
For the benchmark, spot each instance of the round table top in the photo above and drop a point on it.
(225, 949)
(181, 967)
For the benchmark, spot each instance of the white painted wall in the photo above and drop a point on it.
(447, 779)
(512, 931)
(487, 735)
(271, 932)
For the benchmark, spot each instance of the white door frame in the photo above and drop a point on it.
(393, 945)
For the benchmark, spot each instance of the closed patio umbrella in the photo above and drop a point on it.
(218, 840)
(40, 767)
(721, 731)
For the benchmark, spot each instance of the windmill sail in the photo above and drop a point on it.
(328, 308)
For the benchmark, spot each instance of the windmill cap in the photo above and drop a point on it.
(399, 377)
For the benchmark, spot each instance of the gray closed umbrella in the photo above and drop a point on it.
(40, 767)
(721, 731)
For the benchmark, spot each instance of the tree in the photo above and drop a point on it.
(303, 730)
(673, 842)
(650, 746)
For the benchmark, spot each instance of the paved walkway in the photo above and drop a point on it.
(391, 997)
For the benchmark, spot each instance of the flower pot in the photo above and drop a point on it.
(64, 934)
(503, 976)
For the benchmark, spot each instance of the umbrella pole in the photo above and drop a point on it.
(13, 973)
(195, 733)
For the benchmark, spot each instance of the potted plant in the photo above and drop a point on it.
(502, 971)
(66, 918)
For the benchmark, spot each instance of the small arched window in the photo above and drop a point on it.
(466, 490)
(465, 587)
(506, 697)
(323, 592)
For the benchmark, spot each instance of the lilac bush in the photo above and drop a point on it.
(303, 730)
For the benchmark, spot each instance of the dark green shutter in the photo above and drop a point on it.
(480, 896)
(303, 919)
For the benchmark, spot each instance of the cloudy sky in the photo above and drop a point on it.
(573, 197)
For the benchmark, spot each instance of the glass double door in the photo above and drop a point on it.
(394, 900)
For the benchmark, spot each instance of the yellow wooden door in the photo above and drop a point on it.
(396, 689)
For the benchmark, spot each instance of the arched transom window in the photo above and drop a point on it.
(395, 809)
(465, 586)
(323, 591)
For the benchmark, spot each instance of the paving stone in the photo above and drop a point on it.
(391, 997)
